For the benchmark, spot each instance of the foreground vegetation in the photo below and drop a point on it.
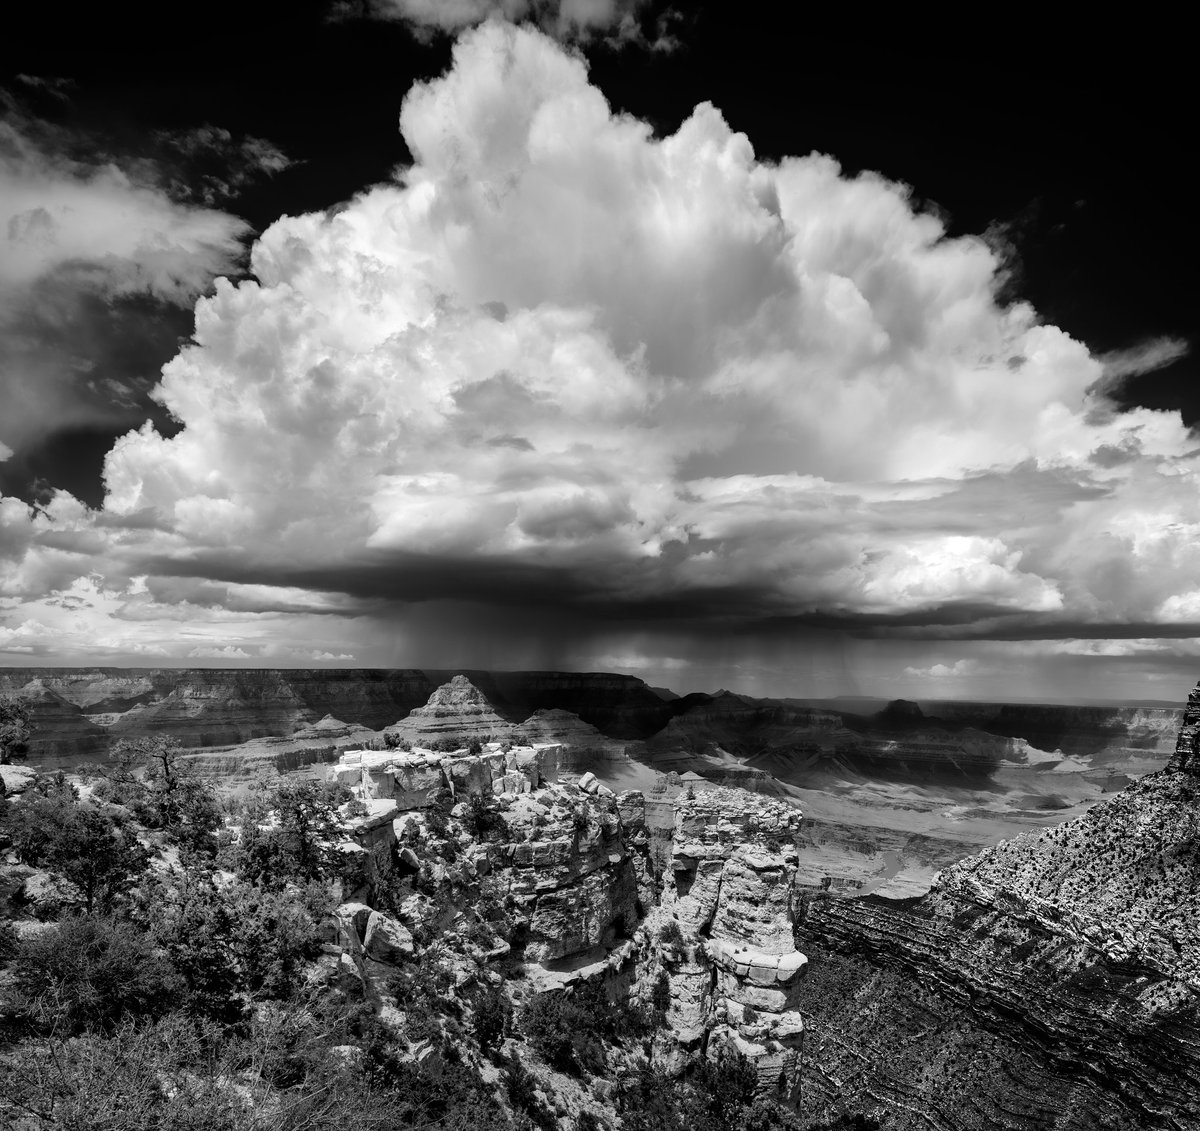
(173, 964)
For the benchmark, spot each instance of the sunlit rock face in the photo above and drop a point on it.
(1050, 981)
(727, 861)
(594, 878)
(1187, 746)
(421, 778)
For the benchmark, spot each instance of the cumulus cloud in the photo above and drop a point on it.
(569, 370)
(228, 652)
(945, 671)
(616, 21)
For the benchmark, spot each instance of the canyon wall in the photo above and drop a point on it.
(1050, 981)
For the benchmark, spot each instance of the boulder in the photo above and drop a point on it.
(386, 940)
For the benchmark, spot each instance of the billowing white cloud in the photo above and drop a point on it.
(945, 671)
(563, 364)
(228, 652)
(618, 21)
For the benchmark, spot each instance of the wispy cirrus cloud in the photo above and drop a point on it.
(1145, 357)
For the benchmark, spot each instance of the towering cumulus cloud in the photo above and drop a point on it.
(616, 20)
(562, 362)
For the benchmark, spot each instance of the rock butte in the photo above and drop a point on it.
(597, 876)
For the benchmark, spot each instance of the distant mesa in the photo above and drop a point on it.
(457, 709)
(901, 711)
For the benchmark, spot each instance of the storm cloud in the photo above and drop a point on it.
(653, 389)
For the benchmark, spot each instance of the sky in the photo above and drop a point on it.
(601, 335)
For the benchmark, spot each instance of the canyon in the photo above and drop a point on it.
(1043, 971)
(1050, 981)
(892, 793)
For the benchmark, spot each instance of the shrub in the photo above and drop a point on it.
(101, 856)
(14, 731)
(10, 941)
(238, 942)
(493, 1017)
(140, 1078)
(569, 1031)
(670, 934)
(91, 973)
(660, 993)
(554, 1027)
(32, 824)
(522, 1094)
(302, 846)
(484, 818)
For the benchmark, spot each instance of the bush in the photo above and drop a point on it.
(670, 934)
(569, 1031)
(660, 993)
(522, 1094)
(100, 855)
(238, 942)
(32, 824)
(10, 942)
(140, 1078)
(14, 731)
(90, 974)
(554, 1026)
(484, 818)
(493, 1017)
(301, 845)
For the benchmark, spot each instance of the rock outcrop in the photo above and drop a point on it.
(458, 710)
(321, 742)
(1050, 981)
(728, 865)
(1187, 745)
(592, 880)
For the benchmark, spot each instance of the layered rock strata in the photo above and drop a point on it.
(729, 885)
(458, 710)
(1187, 745)
(1052, 981)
